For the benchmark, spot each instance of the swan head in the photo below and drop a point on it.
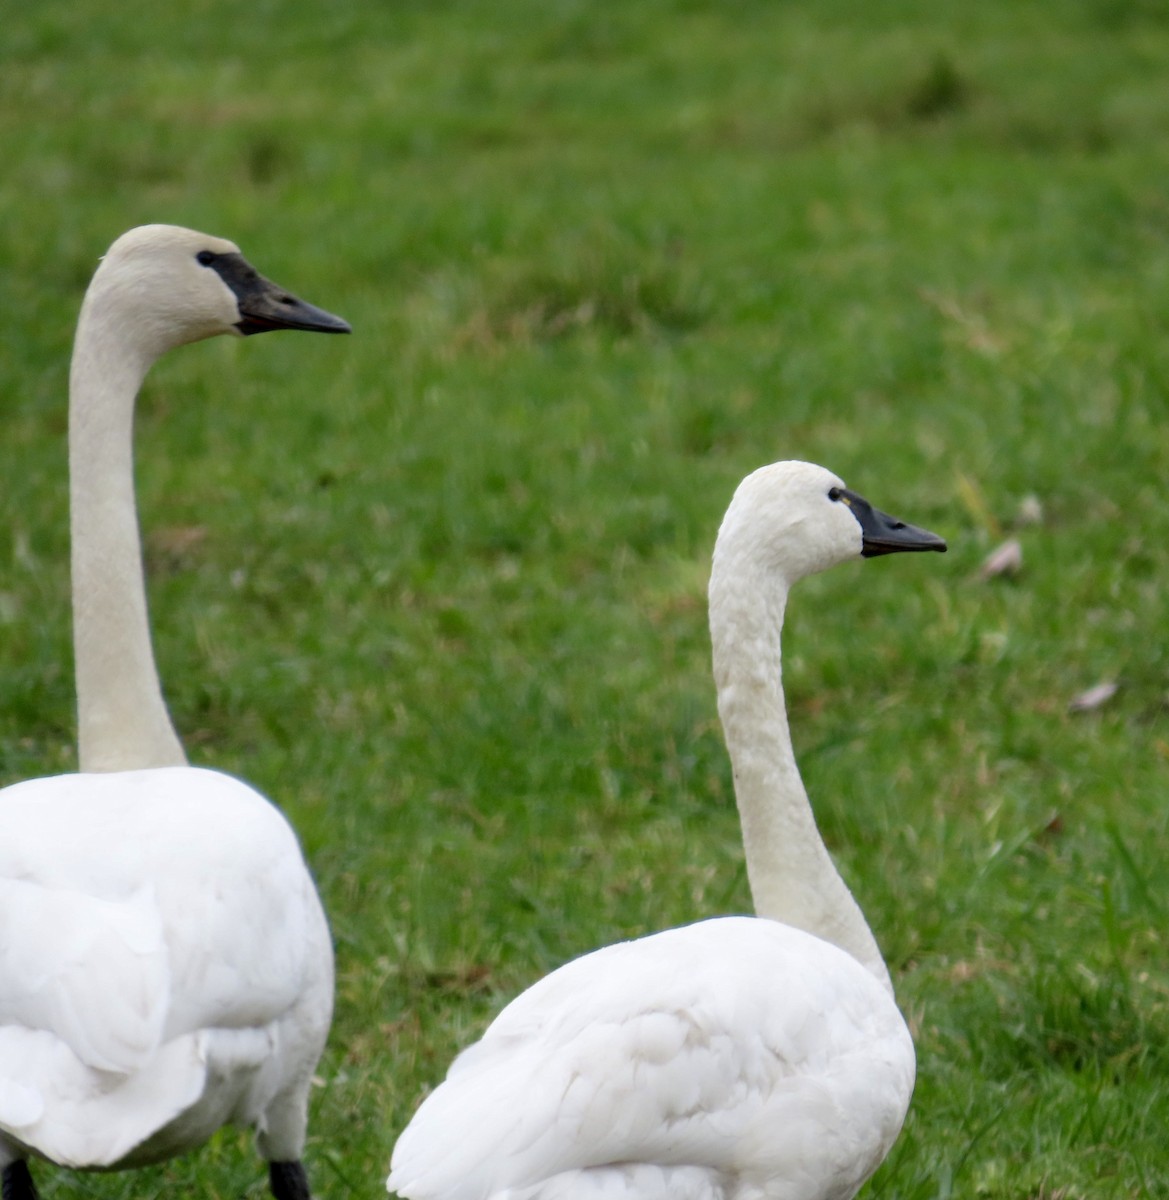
(166, 286)
(795, 519)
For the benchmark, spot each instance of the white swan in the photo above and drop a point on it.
(734, 1059)
(165, 965)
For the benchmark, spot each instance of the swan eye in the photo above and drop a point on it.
(834, 493)
(205, 257)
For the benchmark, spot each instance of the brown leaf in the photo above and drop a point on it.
(1030, 511)
(1094, 697)
(1006, 559)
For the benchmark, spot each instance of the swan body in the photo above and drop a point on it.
(738, 1058)
(164, 970)
(165, 963)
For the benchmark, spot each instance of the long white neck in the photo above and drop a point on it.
(792, 877)
(123, 723)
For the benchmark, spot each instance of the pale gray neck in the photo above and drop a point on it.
(123, 722)
(792, 876)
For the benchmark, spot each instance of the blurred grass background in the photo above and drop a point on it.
(438, 589)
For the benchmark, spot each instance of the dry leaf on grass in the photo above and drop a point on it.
(1006, 559)
(1094, 697)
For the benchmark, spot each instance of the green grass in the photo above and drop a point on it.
(445, 595)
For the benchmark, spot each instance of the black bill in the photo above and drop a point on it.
(884, 534)
(264, 305)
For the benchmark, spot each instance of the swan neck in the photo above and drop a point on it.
(793, 879)
(123, 723)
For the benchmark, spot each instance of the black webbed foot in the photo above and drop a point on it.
(16, 1182)
(287, 1180)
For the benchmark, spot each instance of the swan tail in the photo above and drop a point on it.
(54, 1104)
(92, 972)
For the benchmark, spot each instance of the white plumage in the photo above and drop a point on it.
(733, 1059)
(165, 964)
